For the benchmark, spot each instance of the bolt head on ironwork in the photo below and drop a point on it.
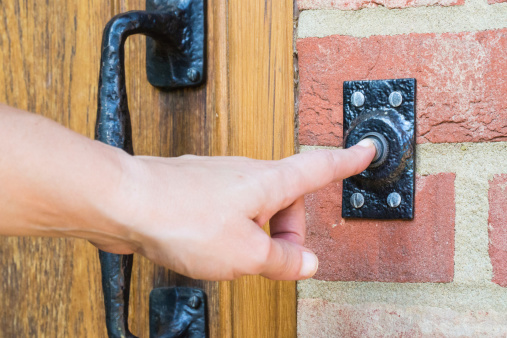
(194, 302)
(357, 99)
(193, 75)
(357, 200)
(394, 200)
(395, 99)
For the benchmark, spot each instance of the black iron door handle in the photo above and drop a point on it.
(175, 53)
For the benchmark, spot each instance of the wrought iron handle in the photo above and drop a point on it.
(177, 31)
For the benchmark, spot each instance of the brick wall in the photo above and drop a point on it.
(444, 273)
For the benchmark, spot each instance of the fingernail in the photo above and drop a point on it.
(309, 266)
(367, 142)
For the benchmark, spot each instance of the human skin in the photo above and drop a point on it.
(199, 216)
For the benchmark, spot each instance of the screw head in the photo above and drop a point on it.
(394, 200)
(357, 99)
(395, 99)
(194, 302)
(357, 200)
(193, 75)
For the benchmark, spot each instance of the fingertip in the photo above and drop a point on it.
(289, 261)
(365, 152)
(309, 265)
(366, 143)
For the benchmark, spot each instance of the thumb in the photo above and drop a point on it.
(289, 261)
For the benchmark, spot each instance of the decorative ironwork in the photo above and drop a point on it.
(177, 312)
(176, 59)
(387, 109)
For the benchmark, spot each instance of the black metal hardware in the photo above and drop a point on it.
(183, 66)
(383, 110)
(116, 272)
(177, 312)
(177, 47)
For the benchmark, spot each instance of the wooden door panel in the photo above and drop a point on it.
(49, 65)
(50, 62)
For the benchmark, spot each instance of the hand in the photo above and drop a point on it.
(202, 216)
(199, 216)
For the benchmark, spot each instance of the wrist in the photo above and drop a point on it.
(97, 213)
(118, 204)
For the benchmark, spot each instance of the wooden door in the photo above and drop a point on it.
(49, 64)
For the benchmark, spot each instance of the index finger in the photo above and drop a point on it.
(307, 172)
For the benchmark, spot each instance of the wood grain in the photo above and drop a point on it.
(246, 109)
(50, 60)
(261, 126)
(49, 64)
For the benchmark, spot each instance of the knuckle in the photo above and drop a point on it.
(286, 172)
(286, 264)
(327, 156)
(267, 182)
(287, 179)
(188, 157)
(260, 258)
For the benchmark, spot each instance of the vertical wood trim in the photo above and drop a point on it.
(219, 111)
(261, 102)
(218, 71)
(217, 106)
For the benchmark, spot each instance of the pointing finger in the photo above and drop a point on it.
(307, 172)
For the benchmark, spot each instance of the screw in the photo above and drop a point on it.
(357, 99)
(357, 200)
(395, 99)
(194, 302)
(394, 200)
(193, 75)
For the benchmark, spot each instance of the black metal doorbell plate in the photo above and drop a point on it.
(385, 107)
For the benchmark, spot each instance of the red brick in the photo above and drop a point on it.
(421, 250)
(498, 228)
(461, 82)
(318, 318)
(358, 4)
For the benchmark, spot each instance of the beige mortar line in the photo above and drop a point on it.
(458, 297)
(474, 165)
(475, 15)
(435, 158)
